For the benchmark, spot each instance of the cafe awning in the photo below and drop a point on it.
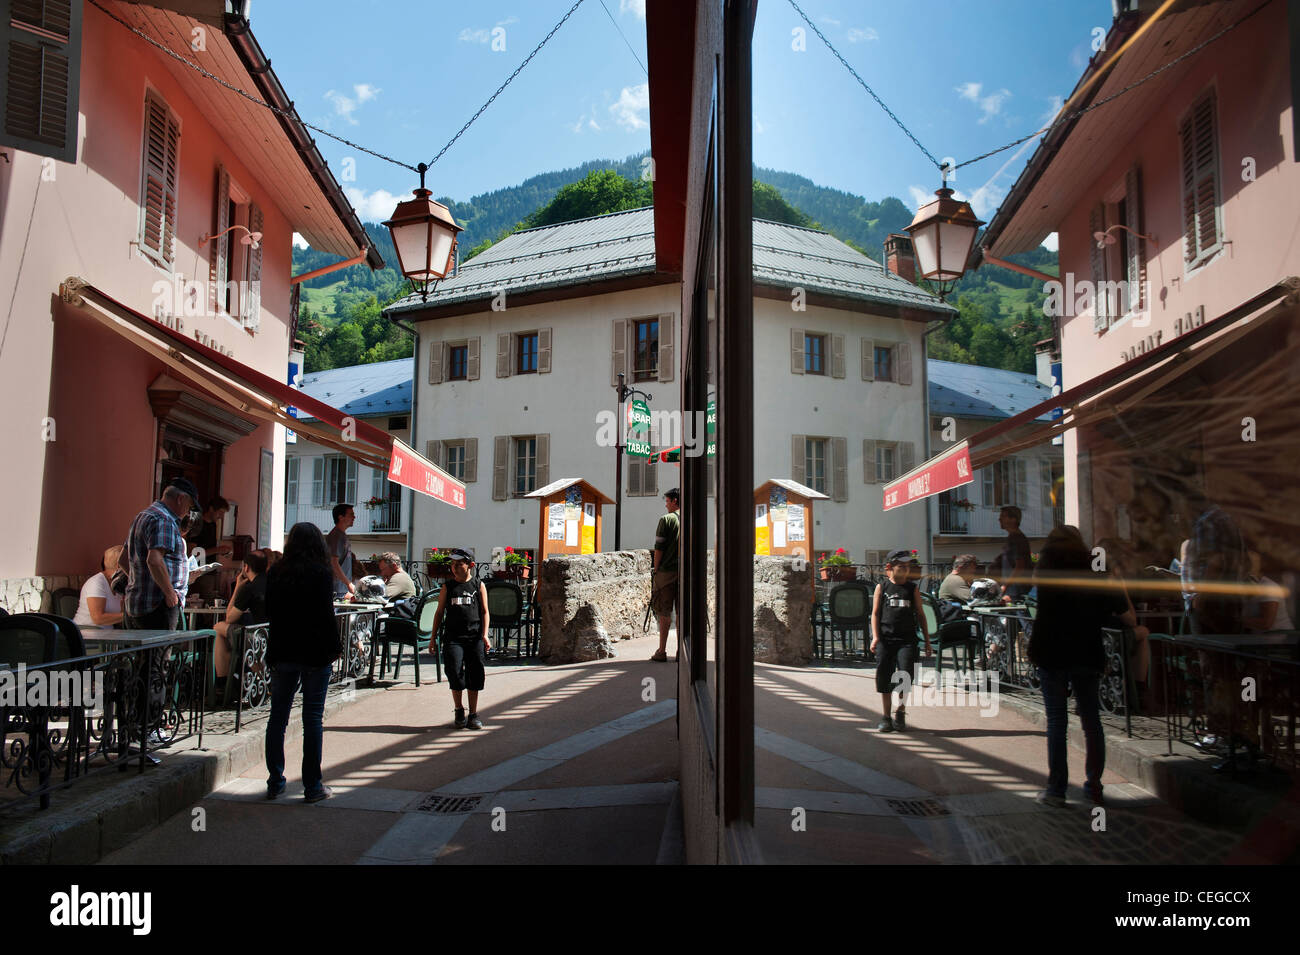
(254, 394)
(1100, 398)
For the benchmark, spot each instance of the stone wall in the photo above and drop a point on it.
(35, 594)
(591, 602)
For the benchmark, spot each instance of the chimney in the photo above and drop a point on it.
(899, 257)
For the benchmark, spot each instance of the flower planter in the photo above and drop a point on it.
(511, 572)
(839, 573)
(439, 571)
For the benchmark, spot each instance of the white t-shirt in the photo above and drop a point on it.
(96, 586)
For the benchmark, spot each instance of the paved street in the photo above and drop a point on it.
(576, 765)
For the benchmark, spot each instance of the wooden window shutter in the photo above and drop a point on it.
(618, 355)
(472, 360)
(500, 462)
(1097, 223)
(868, 359)
(158, 180)
(799, 458)
(433, 451)
(471, 460)
(1137, 256)
(40, 49)
(437, 362)
(1200, 180)
(543, 461)
(903, 361)
(667, 353)
(543, 351)
(840, 472)
(318, 481)
(219, 262)
(869, 462)
(634, 476)
(906, 457)
(837, 356)
(503, 355)
(796, 351)
(252, 302)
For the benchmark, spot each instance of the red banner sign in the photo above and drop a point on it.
(420, 474)
(943, 473)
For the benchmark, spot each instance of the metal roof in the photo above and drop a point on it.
(556, 486)
(621, 244)
(798, 488)
(976, 391)
(382, 388)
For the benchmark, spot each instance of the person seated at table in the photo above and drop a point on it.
(956, 586)
(397, 582)
(100, 608)
(247, 607)
(1264, 611)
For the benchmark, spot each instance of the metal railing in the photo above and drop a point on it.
(130, 701)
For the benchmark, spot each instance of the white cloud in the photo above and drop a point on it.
(1051, 242)
(633, 107)
(636, 6)
(300, 242)
(859, 34)
(345, 106)
(586, 121)
(373, 206)
(919, 196)
(989, 105)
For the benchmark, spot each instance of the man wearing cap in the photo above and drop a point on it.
(154, 559)
(663, 583)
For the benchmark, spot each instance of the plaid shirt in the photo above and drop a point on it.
(154, 527)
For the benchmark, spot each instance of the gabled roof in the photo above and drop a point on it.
(382, 388)
(622, 244)
(976, 391)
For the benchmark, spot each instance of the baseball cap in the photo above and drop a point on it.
(899, 557)
(186, 486)
(462, 553)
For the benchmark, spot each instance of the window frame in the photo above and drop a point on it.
(522, 354)
(447, 448)
(822, 340)
(811, 445)
(515, 442)
(881, 448)
(651, 372)
(891, 364)
(452, 349)
(291, 472)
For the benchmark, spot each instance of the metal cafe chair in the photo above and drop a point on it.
(849, 610)
(962, 633)
(65, 602)
(507, 614)
(416, 634)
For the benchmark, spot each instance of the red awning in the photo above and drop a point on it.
(250, 392)
(1098, 398)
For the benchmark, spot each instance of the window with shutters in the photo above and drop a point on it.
(1000, 484)
(457, 362)
(814, 354)
(815, 463)
(334, 480)
(41, 52)
(646, 341)
(1202, 218)
(525, 470)
(526, 354)
(291, 482)
(886, 461)
(158, 179)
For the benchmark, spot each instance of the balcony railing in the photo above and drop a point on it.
(386, 518)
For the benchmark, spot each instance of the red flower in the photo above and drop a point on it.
(841, 551)
(510, 550)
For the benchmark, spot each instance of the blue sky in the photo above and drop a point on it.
(401, 77)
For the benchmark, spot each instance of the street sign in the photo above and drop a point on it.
(638, 429)
(711, 429)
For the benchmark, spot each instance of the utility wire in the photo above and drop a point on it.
(928, 155)
(248, 96)
(625, 40)
(509, 79)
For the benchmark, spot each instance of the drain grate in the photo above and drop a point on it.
(449, 805)
(918, 807)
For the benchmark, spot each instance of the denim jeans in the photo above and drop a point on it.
(285, 679)
(1056, 688)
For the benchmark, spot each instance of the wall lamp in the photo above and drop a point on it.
(252, 239)
(1105, 238)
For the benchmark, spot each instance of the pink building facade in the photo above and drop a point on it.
(99, 412)
(1178, 329)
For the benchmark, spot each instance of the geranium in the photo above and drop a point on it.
(435, 556)
(838, 559)
(513, 559)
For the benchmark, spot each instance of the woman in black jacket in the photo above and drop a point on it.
(302, 646)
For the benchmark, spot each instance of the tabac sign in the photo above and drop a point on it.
(943, 473)
(419, 474)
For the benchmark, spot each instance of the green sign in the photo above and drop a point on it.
(638, 429)
(711, 428)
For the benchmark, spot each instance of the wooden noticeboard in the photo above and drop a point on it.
(783, 518)
(570, 519)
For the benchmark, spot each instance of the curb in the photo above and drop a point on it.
(89, 828)
(1185, 781)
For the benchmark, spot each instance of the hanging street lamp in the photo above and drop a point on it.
(943, 233)
(424, 235)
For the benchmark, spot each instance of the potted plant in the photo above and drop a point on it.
(837, 566)
(964, 504)
(373, 503)
(438, 562)
(512, 564)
